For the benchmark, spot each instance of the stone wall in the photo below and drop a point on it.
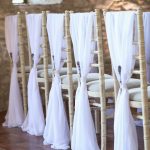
(7, 8)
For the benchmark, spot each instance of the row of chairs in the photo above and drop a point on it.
(101, 87)
(70, 81)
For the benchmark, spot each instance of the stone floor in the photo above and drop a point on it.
(15, 139)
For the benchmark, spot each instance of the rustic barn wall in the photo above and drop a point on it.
(6, 8)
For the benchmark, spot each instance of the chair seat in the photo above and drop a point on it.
(90, 77)
(135, 94)
(109, 85)
(62, 72)
(39, 67)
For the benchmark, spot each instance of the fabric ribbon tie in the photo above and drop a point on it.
(34, 66)
(123, 86)
(83, 81)
(56, 73)
(14, 65)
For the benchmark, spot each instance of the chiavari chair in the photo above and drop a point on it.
(43, 67)
(139, 97)
(70, 81)
(97, 89)
(59, 69)
(139, 92)
(102, 90)
(24, 69)
(46, 75)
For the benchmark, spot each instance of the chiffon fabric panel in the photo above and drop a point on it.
(56, 132)
(120, 31)
(15, 114)
(146, 21)
(84, 136)
(34, 122)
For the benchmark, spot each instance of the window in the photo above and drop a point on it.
(18, 1)
(44, 1)
(37, 1)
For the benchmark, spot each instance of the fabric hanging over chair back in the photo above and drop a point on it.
(34, 122)
(56, 131)
(146, 22)
(15, 114)
(120, 33)
(84, 136)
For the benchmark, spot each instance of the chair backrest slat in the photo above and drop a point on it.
(45, 59)
(69, 68)
(22, 62)
(101, 76)
(29, 48)
(144, 94)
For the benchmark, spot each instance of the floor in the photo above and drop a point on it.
(15, 139)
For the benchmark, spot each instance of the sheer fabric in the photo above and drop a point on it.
(34, 122)
(120, 31)
(56, 131)
(15, 115)
(84, 136)
(146, 21)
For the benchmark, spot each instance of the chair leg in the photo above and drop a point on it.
(146, 131)
(97, 121)
(103, 129)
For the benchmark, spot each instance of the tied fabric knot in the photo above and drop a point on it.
(14, 64)
(123, 86)
(56, 72)
(83, 81)
(14, 68)
(34, 66)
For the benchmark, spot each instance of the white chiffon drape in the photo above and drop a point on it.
(15, 114)
(84, 136)
(56, 130)
(34, 122)
(146, 22)
(120, 31)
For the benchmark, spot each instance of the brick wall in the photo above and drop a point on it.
(76, 5)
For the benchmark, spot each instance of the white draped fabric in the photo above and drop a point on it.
(84, 136)
(120, 31)
(56, 131)
(146, 22)
(34, 122)
(15, 115)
